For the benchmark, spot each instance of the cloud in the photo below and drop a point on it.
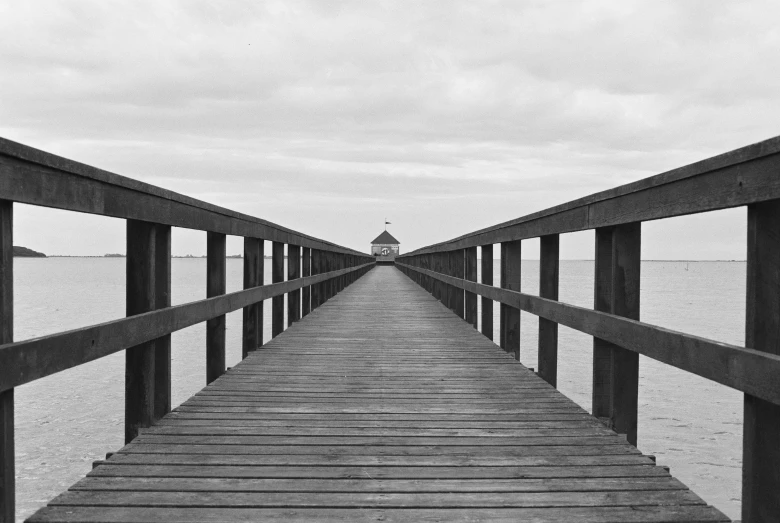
(503, 107)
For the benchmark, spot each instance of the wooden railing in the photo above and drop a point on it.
(33, 177)
(746, 177)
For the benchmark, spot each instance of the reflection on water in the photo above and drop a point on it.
(68, 420)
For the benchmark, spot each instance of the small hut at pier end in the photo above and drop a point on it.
(385, 248)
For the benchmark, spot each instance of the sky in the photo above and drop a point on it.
(442, 116)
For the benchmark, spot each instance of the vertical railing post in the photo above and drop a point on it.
(316, 268)
(140, 298)
(293, 273)
(617, 292)
(216, 283)
(252, 337)
(510, 279)
(306, 294)
(549, 247)
(760, 449)
(7, 443)
(162, 300)
(471, 275)
(277, 276)
(487, 279)
(459, 266)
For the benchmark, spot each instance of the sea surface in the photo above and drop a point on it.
(68, 420)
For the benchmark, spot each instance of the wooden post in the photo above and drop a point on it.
(471, 275)
(617, 284)
(216, 283)
(549, 247)
(293, 273)
(140, 298)
(602, 301)
(316, 268)
(252, 337)
(510, 279)
(277, 276)
(487, 279)
(162, 300)
(306, 272)
(459, 266)
(7, 451)
(760, 449)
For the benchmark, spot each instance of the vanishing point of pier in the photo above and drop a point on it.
(399, 408)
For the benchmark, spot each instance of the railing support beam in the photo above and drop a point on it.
(216, 283)
(471, 275)
(306, 291)
(549, 261)
(511, 254)
(7, 444)
(487, 279)
(162, 300)
(140, 298)
(616, 370)
(277, 276)
(293, 273)
(252, 337)
(760, 449)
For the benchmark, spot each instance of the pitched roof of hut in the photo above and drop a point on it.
(385, 238)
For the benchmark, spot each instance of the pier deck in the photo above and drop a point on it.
(381, 405)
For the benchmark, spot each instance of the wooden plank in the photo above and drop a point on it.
(760, 453)
(306, 295)
(511, 256)
(487, 279)
(459, 270)
(254, 259)
(216, 285)
(35, 177)
(647, 514)
(7, 441)
(293, 273)
(162, 300)
(744, 369)
(549, 249)
(471, 275)
(140, 298)
(277, 276)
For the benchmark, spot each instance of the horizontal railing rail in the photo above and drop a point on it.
(316, 271)
(748, 177)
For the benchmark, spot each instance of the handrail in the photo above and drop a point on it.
(316, 271)
(749, 177)
(737, 178)
(35, 177)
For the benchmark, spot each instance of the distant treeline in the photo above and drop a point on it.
(24, 252)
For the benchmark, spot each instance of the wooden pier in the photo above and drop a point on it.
(382, 405)
(379, 400)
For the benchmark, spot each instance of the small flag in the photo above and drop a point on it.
(387, 223)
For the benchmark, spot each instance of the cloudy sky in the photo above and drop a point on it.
(445, 117)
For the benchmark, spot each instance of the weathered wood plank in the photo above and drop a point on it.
(306, 295)
(254, 260)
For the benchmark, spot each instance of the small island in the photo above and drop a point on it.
(24, 252)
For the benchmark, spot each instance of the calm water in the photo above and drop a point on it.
(68, 420)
